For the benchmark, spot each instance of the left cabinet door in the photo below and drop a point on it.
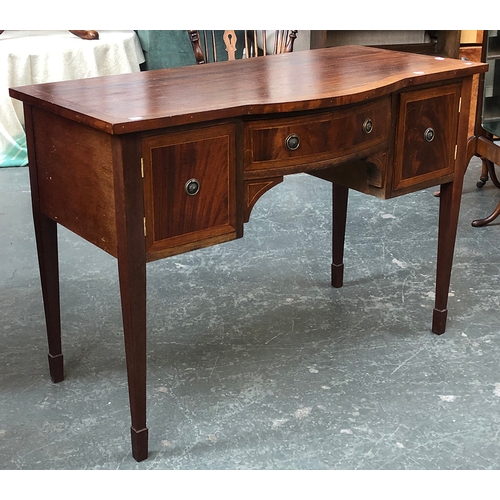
(190, 189)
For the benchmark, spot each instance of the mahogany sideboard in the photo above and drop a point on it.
(153, 164)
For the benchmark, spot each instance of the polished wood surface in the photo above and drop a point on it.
(323, 137)
(159, 163)
(175, 221)
(92, 153)
(300, 81)
(417, 156)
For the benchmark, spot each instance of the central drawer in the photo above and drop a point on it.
(310, 138)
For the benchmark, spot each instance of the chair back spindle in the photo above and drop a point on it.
(255, 43)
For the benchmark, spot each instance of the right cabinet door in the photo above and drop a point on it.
(426, 137)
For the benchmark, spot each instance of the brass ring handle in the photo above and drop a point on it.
(429, 134)
(367, 126)
(192, 187)
(292, 142)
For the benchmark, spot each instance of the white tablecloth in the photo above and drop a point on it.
(28, 57)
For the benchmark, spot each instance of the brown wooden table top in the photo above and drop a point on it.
(311, 79)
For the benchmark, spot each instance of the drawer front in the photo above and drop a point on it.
(316, 137)
(426, 136)
(189, 181)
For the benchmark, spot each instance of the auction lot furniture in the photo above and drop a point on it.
(153, 164)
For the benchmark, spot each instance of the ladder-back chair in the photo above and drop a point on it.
(206, 43)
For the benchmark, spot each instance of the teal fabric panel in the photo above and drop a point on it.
(166, 48)
(172, 48)
(15, 154)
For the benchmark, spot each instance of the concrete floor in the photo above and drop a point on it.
(254, 361)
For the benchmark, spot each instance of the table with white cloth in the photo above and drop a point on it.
(28, 57)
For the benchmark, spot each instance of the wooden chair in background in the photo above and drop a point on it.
(255, 43)
(484, 143)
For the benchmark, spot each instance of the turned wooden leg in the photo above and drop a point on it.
(488, 172)
(487, 220)
(483, 179)
(490, 155)
(339, 204)
(132, 274)
(449, 208)
(492, 173)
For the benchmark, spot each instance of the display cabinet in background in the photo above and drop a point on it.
(490, 118)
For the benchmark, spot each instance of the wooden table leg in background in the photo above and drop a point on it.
(132, 274)
(339, 206)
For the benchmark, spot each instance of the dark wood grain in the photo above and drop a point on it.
(419, 160)
(48, 258)
(75, 178)
(323, 136)
(292, 82)
(175, 221)
(449, 210)
(132, 273)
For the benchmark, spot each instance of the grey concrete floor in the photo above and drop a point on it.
(254, 361)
